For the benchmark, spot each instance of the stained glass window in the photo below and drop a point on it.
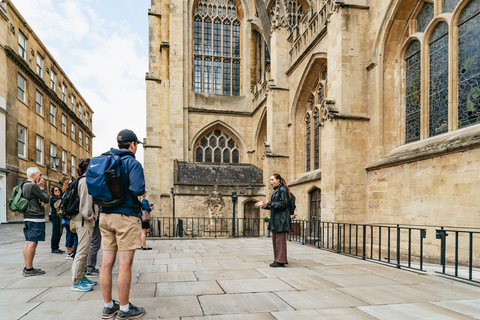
(217, 146)
(425, 16)
(216, 39)
(469, 65)
(412, 92)
(307, 143)
(321, 94)
(316, 141)
(438, 93)
(449, 5)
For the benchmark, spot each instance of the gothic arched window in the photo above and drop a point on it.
(469, 65)
(216, 47)
(413, 92)
(438, 94)
(218, 147)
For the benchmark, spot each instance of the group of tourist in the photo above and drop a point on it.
(120, 229)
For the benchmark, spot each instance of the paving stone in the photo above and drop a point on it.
(360, 280)
(287, 272)
(143, 268)
(13, 296)
(254, 285)
(169, 289)
(322, 314)
(194, 267)
(309, 283)
(166, 277)
(58, 294)
(169, 307)
(17, 310)
(413, 311)
(228, 274)
(175, 261)
(138, 290)
(242, 265)
(246, 316)
(389, 294)
(242, 303)
(319, 299)
(66, 310)
(43, 281)
(467, 307)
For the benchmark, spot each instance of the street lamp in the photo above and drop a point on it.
(54, 161)
(234, 199)
(249, 189)
(172, 191)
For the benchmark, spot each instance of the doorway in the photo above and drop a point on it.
(315, 214)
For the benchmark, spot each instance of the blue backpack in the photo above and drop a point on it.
(104, 180)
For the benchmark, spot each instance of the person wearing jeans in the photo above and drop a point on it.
(95, 244)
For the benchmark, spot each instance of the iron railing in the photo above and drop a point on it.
(400, 245)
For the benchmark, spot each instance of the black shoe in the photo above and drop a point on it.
(276, 264)
(33, 272)
(146, 248)
(132, 313)
(58, 251)
(111, 312)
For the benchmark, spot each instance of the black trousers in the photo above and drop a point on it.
(56, 231)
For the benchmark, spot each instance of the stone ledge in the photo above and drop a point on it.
(307, 177)
(452, 142)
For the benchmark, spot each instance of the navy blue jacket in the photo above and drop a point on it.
(132, 173)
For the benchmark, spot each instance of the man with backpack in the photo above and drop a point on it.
(34, 218)
(120, 225)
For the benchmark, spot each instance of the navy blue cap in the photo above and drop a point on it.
(127, 136)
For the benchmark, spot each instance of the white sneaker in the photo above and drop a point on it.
(69, 256)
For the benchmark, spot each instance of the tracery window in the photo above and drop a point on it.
(295, 12)
(469, 65)
(218, 147)
(462, 107)
(312, 124)
(262, 57)
(216, 47)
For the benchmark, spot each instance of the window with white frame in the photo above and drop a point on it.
(80, 112)
(64, 123)
(87, 143)
(80, 137)
(39, 102)
(39, 65)
(53, 153)
(22, 84)
(72, 168)
(22, 141)
(39, 149)
(53, 80)
(22, 45)
(64, 92)
(72, 131)
(73, 103)
(64, 162)
(86, 118)
(53, 111)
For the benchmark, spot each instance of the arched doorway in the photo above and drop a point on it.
(251, 225)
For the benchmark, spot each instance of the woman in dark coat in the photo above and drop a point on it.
(279, 223)
(55, 220)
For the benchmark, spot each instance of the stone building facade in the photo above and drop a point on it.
(368, 108)
(48, 122)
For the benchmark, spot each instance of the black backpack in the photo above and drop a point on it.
(291, 204)
(70, 200)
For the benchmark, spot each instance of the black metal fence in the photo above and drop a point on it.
(400, 245)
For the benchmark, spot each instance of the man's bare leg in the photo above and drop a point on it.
(124, 279)
(108, 260)
(29, 253)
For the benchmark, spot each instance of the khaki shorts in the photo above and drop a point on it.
(120, 232)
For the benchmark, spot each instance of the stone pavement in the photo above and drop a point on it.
(230, 279)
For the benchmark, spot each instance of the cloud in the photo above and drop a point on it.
(103, 58)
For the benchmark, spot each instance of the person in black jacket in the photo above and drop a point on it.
(279, 223)
(55, 220)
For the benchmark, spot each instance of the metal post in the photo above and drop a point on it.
(234, 199)
(173, 199)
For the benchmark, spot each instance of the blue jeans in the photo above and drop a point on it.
(56, 231)
(71, 238)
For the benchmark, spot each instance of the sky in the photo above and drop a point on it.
(102, 46)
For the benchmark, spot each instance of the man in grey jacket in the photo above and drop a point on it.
(34, 218)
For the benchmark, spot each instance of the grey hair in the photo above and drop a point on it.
(31, 171)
